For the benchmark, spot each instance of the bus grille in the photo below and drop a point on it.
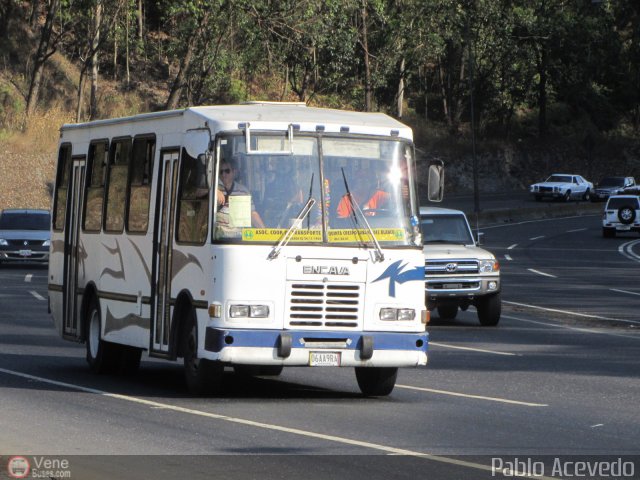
(317, 305)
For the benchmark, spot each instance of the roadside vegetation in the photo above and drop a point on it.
(542, 85)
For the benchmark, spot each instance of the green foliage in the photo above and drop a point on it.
(531, 67)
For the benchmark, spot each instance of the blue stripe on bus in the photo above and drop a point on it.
(216, 339)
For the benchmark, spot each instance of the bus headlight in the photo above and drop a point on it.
(399, 314)
(248, 311)
(3, 242)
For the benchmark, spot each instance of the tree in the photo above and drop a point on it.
(47, 46)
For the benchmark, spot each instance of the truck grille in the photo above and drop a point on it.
(450, 267)
(315, 305)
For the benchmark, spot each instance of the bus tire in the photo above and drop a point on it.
(129, 359)
(376, 381)
(101, 355)
(203, 377)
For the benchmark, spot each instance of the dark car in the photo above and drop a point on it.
(24, 235)
(611, 186)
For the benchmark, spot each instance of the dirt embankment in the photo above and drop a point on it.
(24, 178)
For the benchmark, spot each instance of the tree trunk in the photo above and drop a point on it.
(185, 64)
(95, 43)
(140, 18)
(542, 92)
(41, 57)
(35, 12)
(80, 95)
(367, 67)
(400, 95)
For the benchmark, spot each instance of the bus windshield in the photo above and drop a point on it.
(359, 185)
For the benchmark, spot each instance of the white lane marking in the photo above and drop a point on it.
(444, 345)
(508, 257)
(626, 249)
(624, 291)
(541, 273)
(28, 277)
(251, 423)
(36, 294)
(577, 230)
(597, 425)
(569, 312)
(537, 238)
(576, 329)
(511, 247)
(477, 397)
(499, 225)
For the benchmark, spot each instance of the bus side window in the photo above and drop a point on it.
(92, 221)
(62, 186)
(118, 171)
(140, 184)
(193, 207)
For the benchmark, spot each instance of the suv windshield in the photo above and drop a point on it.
(445, 229)
(24, 221)
(355, 182)
(619, 202)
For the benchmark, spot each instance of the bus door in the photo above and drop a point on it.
(71, 249)
(163, 245)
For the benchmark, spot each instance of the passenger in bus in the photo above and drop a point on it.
(235, 205)
(366, 192)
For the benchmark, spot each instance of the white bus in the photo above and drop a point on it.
(234, 236)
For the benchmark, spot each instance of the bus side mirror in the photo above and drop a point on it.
(436, 181)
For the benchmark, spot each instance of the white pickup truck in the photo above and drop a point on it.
(458, 273)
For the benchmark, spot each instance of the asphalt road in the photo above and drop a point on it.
(557, 377)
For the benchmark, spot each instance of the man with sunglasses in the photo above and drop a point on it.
(233, 201)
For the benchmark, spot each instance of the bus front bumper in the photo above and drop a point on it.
(316, 348)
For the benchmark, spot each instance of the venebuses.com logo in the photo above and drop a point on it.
(18, 467)
(38, 467)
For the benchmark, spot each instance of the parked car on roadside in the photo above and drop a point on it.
(621, 214)
(458, 273)
(24, 235)
(611, 186)
(561, 186)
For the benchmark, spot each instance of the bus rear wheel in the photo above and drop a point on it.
(376, 381)
(203, 377)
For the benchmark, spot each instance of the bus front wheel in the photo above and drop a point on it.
(101, 355)
(203, 377)
(376, 381)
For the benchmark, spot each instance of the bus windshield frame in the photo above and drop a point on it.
(360, 184)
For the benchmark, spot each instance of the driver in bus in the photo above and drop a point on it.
(234, 214)
(370, 199)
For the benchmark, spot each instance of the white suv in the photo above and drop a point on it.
(621, 214)
(458, 273)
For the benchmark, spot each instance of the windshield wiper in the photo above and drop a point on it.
(295, 225)
(355, 208)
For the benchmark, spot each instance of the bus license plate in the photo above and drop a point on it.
(25, 253)
(324, 359)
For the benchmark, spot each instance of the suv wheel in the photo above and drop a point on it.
(489, 310)
(587, 195)
(447, 312)
(626, 214)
